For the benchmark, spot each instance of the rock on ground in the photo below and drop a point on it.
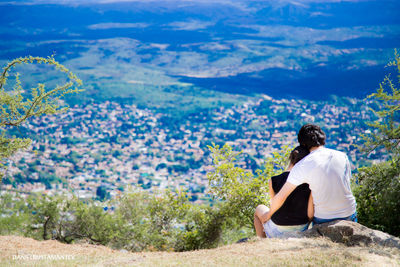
(349, 233)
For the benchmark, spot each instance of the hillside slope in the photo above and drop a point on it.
(270, 252)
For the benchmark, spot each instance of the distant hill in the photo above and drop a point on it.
(153, 52)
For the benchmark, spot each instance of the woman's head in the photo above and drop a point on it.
(298, 154)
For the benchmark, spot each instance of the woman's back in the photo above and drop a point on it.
(294, 210)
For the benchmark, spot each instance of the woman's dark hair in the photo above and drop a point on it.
(298, 154)
(311, 135)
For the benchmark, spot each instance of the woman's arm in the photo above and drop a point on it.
(310, 209)
(271, 190)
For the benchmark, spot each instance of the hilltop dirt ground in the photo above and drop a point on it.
(266, 252)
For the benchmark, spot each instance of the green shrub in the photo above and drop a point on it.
(67, 220)
(164, 221)
(160, 221)
(92, 222)
(240, 188)
(44, 216)
(204, 226)
(14, 215)
(378, 202)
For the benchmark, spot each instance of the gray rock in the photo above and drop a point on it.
(349, 233)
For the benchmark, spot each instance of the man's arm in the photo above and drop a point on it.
(278, 200)
(310, 209)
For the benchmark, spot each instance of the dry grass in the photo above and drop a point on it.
(267, 252)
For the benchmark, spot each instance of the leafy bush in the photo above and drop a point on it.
(138, 221)
(14, 215)
(152, 221)
(92, 222)
(46, 216)
(167, 221)
(204, 226)
(70, 219)
(241, 189)
(378, 203)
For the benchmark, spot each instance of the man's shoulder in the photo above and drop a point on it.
(337, 152)
(328, 155)
(321, 156)
(329, 151)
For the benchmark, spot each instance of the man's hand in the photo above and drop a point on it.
(265, 217)
(262, 213)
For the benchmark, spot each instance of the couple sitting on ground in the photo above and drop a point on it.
(315, 187)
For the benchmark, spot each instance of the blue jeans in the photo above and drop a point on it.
(352, 217)
(272, 230)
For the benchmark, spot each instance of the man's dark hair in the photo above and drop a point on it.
(311, 135)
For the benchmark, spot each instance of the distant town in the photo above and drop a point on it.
(101, 150)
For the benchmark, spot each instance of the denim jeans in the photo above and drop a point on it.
(352, 217)
(272, 230)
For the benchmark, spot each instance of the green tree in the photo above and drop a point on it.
(377, 186)
(386, 129)
(17, 104)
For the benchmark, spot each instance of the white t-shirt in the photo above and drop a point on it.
(328, 174)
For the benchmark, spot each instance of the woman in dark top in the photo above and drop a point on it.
(297, 211)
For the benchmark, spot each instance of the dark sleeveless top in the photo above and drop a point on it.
(294, 210)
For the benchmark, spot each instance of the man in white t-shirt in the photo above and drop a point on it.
(328, 174)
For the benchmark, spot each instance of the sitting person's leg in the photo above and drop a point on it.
(260, 210)
(270, 229)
